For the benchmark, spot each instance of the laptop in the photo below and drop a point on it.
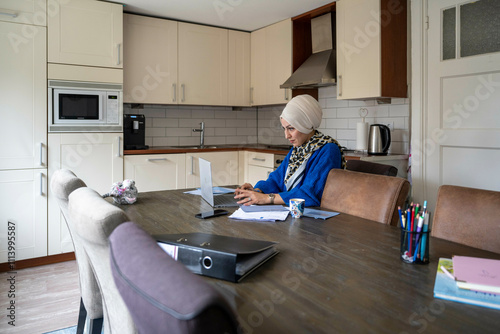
(217, 201)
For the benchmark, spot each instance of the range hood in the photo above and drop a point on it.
(320, 69)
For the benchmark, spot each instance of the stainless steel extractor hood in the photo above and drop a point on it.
(320, 69)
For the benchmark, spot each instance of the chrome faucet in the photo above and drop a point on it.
(201, 130)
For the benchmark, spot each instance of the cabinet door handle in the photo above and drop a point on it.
(183, 87)
(340, 85)
(8, 13)
(174, 96)
(192, 165)
(157, 159)
(41, 184)
(286, 94)
(41, 154)
(258, 159)
(251, 95)
(119, 147)
(118, 47)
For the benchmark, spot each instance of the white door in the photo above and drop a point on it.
(23, 96)
(23, 214)
(96, 158)
(461, 137)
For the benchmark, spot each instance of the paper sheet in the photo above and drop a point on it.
(260, 216)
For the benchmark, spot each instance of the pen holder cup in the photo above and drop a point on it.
(415, 247)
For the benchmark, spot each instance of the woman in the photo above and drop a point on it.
(304, 171)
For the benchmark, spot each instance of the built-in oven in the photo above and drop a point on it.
(85, 106)
(278, 159)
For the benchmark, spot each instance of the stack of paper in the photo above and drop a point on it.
(260, 215)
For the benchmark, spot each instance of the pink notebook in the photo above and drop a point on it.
(478, 274)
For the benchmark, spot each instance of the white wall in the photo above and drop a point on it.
(172, 125)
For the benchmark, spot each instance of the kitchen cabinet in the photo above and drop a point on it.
(96, 158)
(202, 65)
(23, 98)
(23, 198)
(239, 68)
(83, 32)
(155, 172)
(224, 168)
(30, 12)
(257, 166)
(371, 49)
(271, 63)
(150, 60)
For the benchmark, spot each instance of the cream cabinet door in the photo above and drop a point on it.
(155, 172)
(224, 168)
(258, 173)
(23, 97)
(202, 65)
(96, 158)
(271, 63)
(150, 60)
(30, 12)
(23, 214)
(82, 32)
(239, 68)
(259, 166)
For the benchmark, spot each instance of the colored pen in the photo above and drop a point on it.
(425, 208)
(416, 210)
(424, 237)
(400, 219)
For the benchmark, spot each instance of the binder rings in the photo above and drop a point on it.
(218, 256)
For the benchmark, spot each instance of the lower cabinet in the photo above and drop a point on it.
(257, 166)
(156, 171)
(23, 212)
(224, 168)
(96, 158)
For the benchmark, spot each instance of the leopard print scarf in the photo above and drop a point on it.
(301, 154)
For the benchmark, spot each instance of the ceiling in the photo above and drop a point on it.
(246, 15)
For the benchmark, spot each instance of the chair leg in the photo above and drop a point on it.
(95, 326)
(82, 316)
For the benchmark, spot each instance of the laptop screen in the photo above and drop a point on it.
(206, 181)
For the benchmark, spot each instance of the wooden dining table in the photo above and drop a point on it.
(339, 275)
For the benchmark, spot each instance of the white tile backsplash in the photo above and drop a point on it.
(168, 125)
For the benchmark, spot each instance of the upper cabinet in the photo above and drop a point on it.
(271, 63)
(239, 68)
(371, 48)
(83, 32)
(150, 60)
(30, 12)
(202, 65)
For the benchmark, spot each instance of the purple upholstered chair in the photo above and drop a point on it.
(161, 294)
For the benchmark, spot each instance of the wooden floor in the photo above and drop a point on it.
(47, 298)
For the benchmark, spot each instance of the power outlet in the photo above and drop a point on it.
(390, 125)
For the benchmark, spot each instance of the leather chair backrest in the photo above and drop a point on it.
(371, 167)
(468, 216)
(94, 219)
(161, 294)
(63, 183)
(369, 196)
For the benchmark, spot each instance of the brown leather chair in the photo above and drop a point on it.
(371, 167)
(369, 196)
(468, 216)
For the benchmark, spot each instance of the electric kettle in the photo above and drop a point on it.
(379, 139)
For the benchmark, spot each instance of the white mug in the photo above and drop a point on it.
(297, 207)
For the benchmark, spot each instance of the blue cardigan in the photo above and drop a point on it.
(312, 184)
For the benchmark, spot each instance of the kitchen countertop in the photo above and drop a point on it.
(264, 148)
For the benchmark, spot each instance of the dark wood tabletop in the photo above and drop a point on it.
(342, 274)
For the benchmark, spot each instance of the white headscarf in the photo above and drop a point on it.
(304, 113)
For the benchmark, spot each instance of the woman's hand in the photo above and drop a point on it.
(251, 197)
(246, 186)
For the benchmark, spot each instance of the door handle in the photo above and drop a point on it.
(258, 159)
(183, 87)
(41, 154)
(41, 184)
(192, 166)
(8, 13)
(119, 147)
(340, 85)
(118, 47)
(174, 96)
(158, 159)
(251, 95)
(286, 94)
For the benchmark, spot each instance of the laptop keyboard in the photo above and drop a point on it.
(225, 200)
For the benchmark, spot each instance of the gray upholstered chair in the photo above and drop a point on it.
(369, 196)
(371, 167)
(63, 183)
(161, 294)
(94, 219)
(468, 216)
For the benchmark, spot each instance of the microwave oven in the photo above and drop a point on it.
(85, 106)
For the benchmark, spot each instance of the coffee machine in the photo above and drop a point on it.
(134, 131)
